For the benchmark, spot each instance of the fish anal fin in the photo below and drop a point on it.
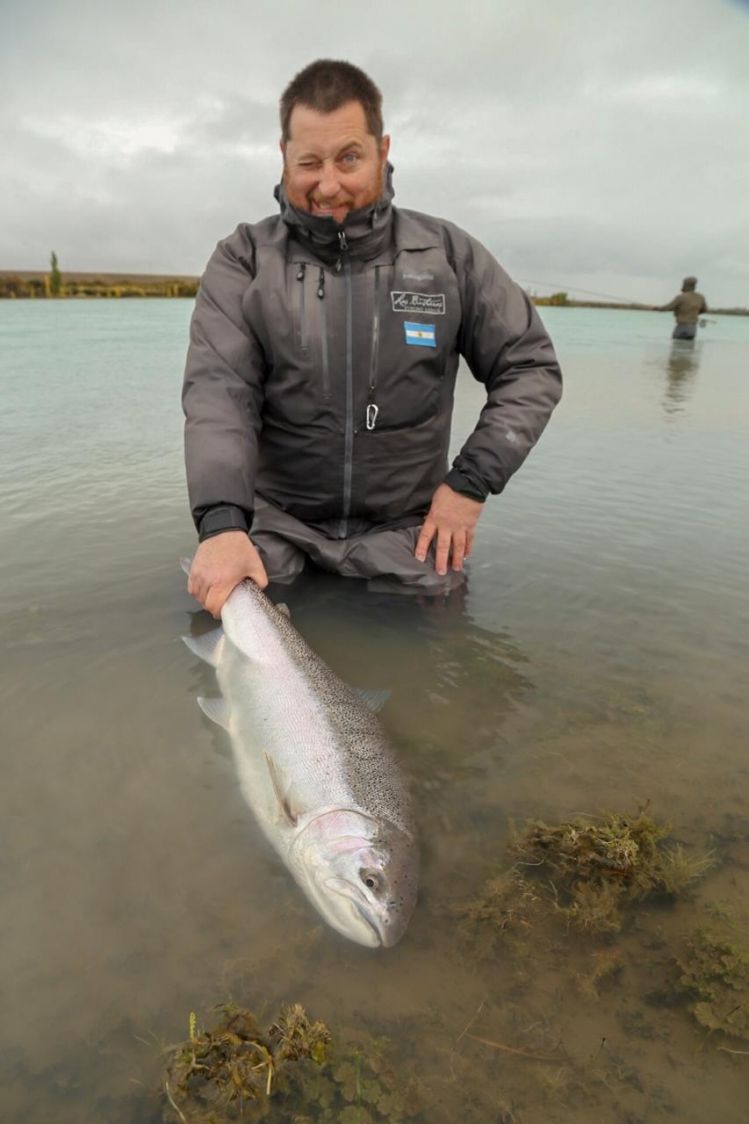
(216, 710)
(285, 800)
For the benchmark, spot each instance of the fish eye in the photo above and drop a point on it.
(369, 879)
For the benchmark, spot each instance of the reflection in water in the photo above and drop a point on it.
(681, 370)
(430, 644)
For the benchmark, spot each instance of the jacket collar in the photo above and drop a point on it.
(367, 230)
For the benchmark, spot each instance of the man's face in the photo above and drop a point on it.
(332, 163)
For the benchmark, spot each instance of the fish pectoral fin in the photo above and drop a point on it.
(186, 564)
(207, 647)
(375, 700)
(285, 799)
(217, 710)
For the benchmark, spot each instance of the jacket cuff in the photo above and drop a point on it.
(460, 483)
(225, 517)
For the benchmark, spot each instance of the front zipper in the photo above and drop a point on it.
(324, 336)
(372, 408)
(348, 455)
(302, 307)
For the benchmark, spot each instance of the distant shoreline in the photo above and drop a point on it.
(25, 284)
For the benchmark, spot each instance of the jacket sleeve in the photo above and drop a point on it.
(670, 307)
(223, 391)
(507, 349)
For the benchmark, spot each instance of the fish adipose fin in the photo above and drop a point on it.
(208, 646)
(285, 800)
(216, 710)
(375, 700)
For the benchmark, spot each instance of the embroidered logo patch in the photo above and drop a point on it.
(421, 335)
(433, 304)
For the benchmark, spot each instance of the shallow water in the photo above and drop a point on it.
(596, 660)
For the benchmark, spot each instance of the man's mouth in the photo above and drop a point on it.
(328, 209)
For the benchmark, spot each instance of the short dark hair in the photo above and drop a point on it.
(326, 85)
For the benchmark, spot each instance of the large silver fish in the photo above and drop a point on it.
(315, 767)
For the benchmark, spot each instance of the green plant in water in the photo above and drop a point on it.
(596, 867)
(714, 974)
(502, 914)
(236, 1071)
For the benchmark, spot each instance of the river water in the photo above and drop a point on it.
(596, 661)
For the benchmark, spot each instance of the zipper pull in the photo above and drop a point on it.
(342, 249)
(321, 284)
(372, 412)
(300, 273)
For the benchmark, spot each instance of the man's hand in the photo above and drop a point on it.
(452, 518)
(220, 564)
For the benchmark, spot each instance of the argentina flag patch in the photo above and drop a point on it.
(420, 335)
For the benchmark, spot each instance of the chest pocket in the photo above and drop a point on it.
(289, 306)
(419, 319)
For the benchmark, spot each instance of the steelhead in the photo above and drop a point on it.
(315, 768)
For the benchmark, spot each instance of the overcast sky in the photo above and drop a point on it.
(600, 146)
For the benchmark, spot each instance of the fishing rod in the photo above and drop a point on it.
(575, 289)
(610, 296)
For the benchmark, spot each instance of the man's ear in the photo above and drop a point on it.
(384, 148)
(282, 146)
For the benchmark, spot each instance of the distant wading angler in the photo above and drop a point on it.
(320, 375)
(687, 307)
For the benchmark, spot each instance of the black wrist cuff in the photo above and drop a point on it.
(225, 517)
(460, 483)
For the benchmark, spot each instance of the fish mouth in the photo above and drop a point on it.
(375, 934)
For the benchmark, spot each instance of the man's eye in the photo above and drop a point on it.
(350, 159)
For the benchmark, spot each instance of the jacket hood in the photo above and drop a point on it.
(689, 284)
(366, 230)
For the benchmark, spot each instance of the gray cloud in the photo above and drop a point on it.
(589, 144)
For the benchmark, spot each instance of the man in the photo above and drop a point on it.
(320, 375)
(687, 308)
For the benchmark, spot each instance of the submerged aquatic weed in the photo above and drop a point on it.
(503, 911)
(595, 867)
(236, 1071)
(608, 964)
(714, 974)
(585, 870)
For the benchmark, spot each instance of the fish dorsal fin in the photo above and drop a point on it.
(375, 700)
(207, 647)
(284, 608)
(217, 710)
(285, 799)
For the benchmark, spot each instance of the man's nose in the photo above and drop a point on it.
(329, 185)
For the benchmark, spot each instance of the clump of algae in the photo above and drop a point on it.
(597, 867)
(292, 1071)
(587, 870)
(504, 911)
(714, 974)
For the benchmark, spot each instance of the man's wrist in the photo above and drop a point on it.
(461, 484)
(223, 517)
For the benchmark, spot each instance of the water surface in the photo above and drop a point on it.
(596, 660)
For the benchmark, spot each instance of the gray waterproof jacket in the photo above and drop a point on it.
(322, 364)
